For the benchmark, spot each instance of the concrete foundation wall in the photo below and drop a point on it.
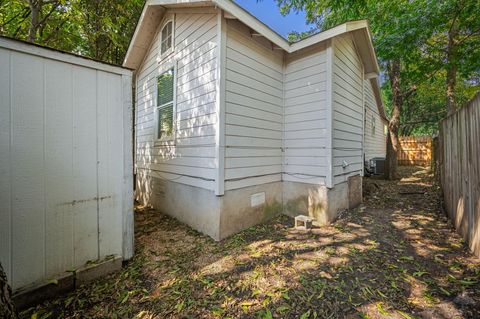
(194, 206)
(316, 201)
(222, 216)
(244, 207)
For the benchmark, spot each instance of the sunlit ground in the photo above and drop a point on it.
(395, 257)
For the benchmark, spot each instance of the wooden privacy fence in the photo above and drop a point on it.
(459, 168)
(415, 150)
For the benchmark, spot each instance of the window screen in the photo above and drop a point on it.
(165, 92)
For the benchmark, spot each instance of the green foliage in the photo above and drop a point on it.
(424, 109)
(97, 29)
(297, 36)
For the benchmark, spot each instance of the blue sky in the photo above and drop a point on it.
(268, 12)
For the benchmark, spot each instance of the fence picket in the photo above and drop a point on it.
(459, 169)
(415, 150)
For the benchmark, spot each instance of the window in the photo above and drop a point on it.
(374, 124)
(165, 101)
(167, 39)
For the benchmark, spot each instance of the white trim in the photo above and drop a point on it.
(371, 75)
(319, 37)
(329, 102)
(52, 54)
(220, 105)
(378, 99)
(193, 10)
(142, 38)
(364, 113)
(127, 190)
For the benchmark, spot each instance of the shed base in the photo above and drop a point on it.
(34, 294)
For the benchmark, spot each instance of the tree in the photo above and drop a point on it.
(106, 27)
(100, 29)
(7, 308)
(455, 44)
(40, 12)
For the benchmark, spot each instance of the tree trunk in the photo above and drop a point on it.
(394, 124)
(34, 18)
(7, 308)
(451, 80)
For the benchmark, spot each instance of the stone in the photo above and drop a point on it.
(303, 222)
(464, 300)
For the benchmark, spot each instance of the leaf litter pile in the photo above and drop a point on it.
(396, 256)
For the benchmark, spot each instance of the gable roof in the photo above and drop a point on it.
(153, 11)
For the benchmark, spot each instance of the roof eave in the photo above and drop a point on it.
(253, 23)
(143, 35)
(378, 98)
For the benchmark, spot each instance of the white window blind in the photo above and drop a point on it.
(165, 98)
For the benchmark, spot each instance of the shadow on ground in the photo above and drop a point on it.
(394, 257)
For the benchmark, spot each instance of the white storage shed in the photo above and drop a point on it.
(65, 162)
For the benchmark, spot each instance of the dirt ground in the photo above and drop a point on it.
(394, 257)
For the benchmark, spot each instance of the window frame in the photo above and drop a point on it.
(170, 50)
(374, 124)
(172, 136)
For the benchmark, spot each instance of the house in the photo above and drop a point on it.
(234, 124)
(66, 168)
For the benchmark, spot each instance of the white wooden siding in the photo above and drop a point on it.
(190, 157)
(283, 120)
(347, 110)
(375, 138)
(305, 116)
(253, 117)
(62, 156)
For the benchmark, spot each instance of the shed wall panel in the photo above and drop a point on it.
(58, 165)
(85, 165)
(5, 164)
(28, 162)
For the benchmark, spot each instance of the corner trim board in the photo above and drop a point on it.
(220, 105)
